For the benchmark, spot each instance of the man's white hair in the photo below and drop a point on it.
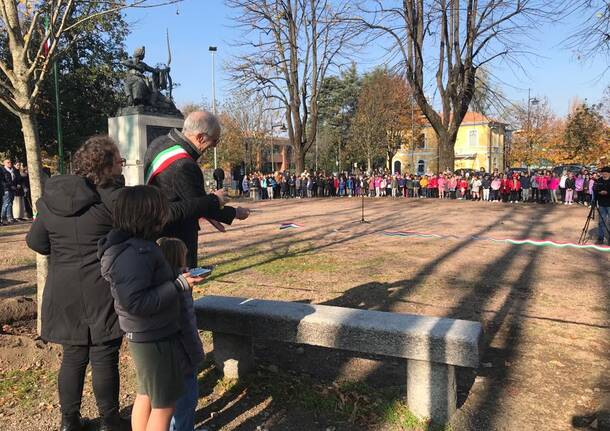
(201, 122)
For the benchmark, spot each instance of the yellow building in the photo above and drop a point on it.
(480, 143)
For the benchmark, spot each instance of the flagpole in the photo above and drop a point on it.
(60, 139)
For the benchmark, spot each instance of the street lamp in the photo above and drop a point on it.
(492, 129)
(213, 50)
(282, 128)
(317, 134)
(531, 101)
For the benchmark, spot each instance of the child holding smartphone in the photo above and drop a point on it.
(146, 293)
(191, 352)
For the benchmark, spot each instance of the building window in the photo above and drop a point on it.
(421, 167)
(397, 167)
(473, 138)
(421, 142)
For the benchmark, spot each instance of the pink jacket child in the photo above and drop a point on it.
(553, 183)
(452, 183)
(377, 182)
(543, 182)
(441, 183)
(580, 181)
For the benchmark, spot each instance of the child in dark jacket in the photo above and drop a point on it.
(191, 349)
(146, 296)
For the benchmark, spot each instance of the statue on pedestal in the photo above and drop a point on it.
(145, 92)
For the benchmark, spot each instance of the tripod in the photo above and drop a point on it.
(591, 216)
(362, 219)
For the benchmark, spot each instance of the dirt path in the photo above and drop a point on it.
(546, 311)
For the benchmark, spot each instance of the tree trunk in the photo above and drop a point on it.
(446, 153)
(284, 159)
(299, 159)
(31, 138)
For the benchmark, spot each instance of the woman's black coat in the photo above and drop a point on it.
(77, 307)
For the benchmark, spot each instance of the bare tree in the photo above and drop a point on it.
(32, 49)
(255, 117)
(291, 44)
(443, 43)
(592, 38)
(605, 102)
(537, 135)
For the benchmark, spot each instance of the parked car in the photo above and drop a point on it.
(467, 171)
(518, 170)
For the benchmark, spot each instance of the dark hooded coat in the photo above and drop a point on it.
(77, 306)
(146, 298)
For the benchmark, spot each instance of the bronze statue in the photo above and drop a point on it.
(144, 93)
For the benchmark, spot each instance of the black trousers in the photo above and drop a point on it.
(104, 359)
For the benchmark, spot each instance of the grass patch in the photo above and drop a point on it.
(398, 414)
(345, 402)
(228, 263)
(26, 388)
(27, 258)
(206, 336)
(289, 260)
(299, 263)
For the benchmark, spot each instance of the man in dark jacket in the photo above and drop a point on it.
(170, 164)
(10, 178)
(526, 187)
(601, 193)
(486, 185)
(219, 177)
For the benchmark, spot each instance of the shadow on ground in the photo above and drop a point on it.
(502, 326)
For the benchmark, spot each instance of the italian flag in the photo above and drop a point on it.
(47, 45)
(163, 160)
(289, 225)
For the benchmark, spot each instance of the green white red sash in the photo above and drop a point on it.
(163, 160)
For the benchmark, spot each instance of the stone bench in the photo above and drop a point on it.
(432, 346)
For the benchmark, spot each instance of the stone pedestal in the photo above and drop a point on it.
(431, 390)
(133, 134)
(232, 354)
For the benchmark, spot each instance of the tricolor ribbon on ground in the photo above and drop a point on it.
(537, 243)
(289, 225)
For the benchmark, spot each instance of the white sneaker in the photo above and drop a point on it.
(570, 203)
(565, 203)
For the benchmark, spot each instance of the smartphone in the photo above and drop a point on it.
(201, 271)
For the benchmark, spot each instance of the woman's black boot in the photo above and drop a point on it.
(71, 422)
(115, 423)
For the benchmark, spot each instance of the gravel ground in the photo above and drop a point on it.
(545, 310)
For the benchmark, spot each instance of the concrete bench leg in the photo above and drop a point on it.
(232, 354)
(431, 390)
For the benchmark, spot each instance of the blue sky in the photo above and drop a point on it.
(193, 25)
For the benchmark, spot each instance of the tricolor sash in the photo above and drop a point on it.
(163, 160)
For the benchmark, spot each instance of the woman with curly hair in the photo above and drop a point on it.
(74, 212)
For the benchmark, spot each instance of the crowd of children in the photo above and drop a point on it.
(541, 186)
